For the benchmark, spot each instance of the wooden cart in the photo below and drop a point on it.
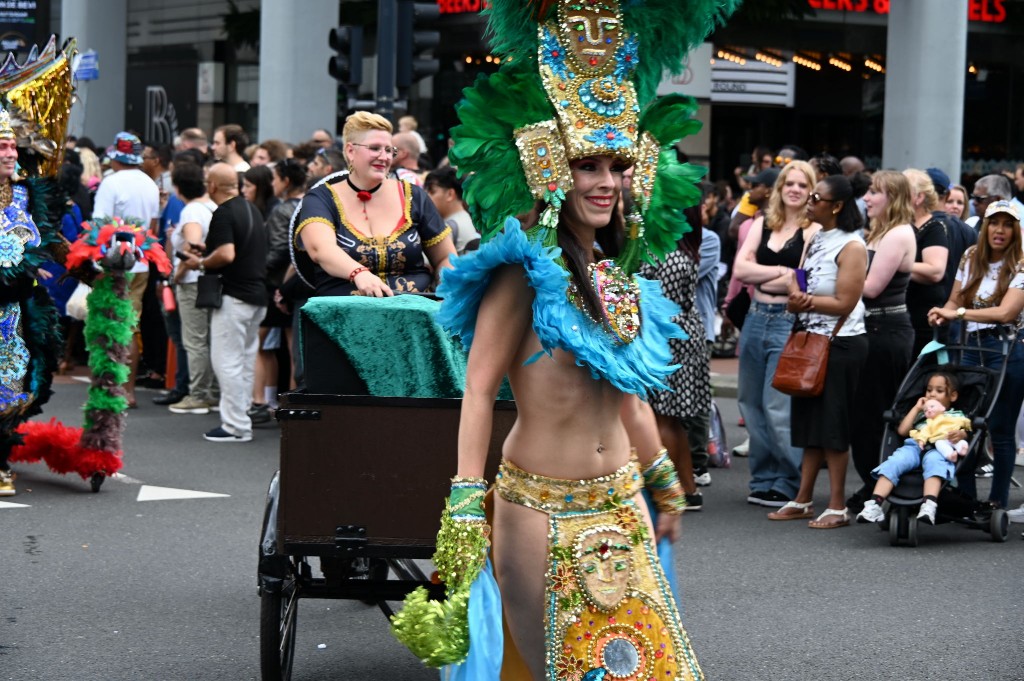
(361, 487)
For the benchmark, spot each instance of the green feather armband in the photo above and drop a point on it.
(662, 481)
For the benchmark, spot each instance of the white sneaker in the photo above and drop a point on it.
(872, 513)
(702, 479)
(743, 449)
(927, 512)
(1016, 515)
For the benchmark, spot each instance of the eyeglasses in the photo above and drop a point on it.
(815, 197)
(980, 199)
(783, 160)
(375, 149)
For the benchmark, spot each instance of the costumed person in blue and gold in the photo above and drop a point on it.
(36, 100)
(580, 591)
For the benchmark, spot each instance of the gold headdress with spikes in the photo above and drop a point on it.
(37, 96)
(6, 131)
(578, 79)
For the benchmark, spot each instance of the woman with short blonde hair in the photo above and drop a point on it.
(348, 227)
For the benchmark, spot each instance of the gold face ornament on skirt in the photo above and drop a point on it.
(608, 605)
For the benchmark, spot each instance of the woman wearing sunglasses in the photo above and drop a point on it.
(367, 234)
(835, 264)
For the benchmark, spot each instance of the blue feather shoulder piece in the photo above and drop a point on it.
(635, 367)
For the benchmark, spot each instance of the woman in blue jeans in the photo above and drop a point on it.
(988, 296)
(773, 248)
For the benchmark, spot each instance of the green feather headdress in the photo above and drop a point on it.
(577, 75)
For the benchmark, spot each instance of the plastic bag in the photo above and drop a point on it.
(76, 305)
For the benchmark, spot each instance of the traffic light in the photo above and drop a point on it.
(413, 39)
(346, 66)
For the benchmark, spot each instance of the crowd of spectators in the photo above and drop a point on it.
(223, 204)
(917, 227)
(920, 233)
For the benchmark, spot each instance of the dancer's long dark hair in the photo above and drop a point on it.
(578, 256)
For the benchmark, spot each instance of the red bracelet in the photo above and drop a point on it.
(354, 273)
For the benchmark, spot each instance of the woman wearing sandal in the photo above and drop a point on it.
(836, 266)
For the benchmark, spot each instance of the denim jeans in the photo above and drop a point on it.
(234, 340)
(1002, 423)
(774, 462)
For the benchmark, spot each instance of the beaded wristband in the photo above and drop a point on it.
(357, 271)
(466, 502)
(662, 481)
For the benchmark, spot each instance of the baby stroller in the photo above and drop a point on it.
(978, 388)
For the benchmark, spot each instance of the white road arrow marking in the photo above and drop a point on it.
(154, 493)
(11, 504)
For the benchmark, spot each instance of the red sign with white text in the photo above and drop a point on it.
(462, 6)
(991, 11)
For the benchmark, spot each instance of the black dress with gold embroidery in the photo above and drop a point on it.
(396, 258)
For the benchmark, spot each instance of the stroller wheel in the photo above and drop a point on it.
(999, 525)
(894, 528)
(911, 530)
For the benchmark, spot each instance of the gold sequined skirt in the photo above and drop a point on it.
(607, 601)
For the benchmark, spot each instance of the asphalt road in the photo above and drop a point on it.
(107, 587)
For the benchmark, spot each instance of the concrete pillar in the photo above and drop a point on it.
(297, 95)
(100, 25)
(926, 66)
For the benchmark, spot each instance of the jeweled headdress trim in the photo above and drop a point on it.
(579, 81)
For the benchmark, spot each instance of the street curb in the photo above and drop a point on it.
(723, 385)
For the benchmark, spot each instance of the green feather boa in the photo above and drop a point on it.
(109, 322)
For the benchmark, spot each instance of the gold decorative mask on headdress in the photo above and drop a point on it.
(38, 95)
(586, 59)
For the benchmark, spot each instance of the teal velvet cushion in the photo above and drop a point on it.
(394, 344)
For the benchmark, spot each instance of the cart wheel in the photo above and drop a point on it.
(96, 481)
(999, 525)
(278, 616)
(911, 530)
(894, 528)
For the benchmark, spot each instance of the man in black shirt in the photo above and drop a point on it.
(236, 249)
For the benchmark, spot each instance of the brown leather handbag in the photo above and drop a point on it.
(803, 363)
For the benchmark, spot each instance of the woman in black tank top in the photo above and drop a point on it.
(772, 250)
(891, 250)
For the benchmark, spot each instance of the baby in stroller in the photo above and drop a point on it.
(927, 426)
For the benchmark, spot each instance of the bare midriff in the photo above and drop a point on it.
(568, 423)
